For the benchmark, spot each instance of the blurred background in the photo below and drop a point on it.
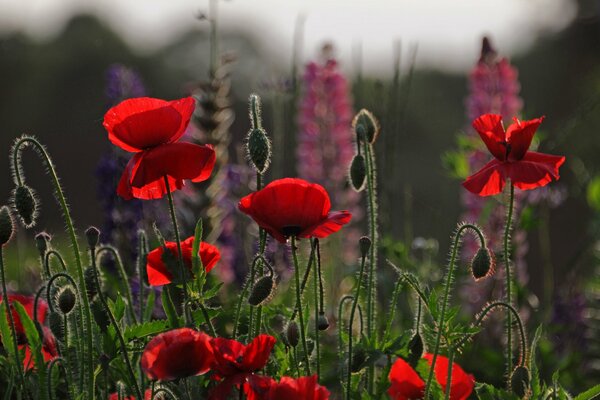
(422, 67)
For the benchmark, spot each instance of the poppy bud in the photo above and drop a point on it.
(89, 276)
(262, 291)
(359, 356)
(55, 322)
(483, 264)
(358, 172)
(292, 334)
(66, 300)
(322, 322)
(25, 205)
(42, 241)
(365, 126)
(415, 349)
(365, 245)
(92, 234)
(6, 225)
(519, 381)
(100, 315)
(259, 149)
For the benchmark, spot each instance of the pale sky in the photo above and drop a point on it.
(448, 32)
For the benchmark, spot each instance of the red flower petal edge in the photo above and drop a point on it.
(302, 388)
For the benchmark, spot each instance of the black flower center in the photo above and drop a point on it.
(291, 230)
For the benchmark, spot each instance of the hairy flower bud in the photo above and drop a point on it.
(292, 334)
(92, 234)
(66, 300)
(262, 291)
(25, 205)
(365, 245)
(365, 126)
(100, 315)
(358, 172)
(322, 321)
(519, 381)
(90, 282)
(259, 149)
(415, 349)
(42, 242)
(6, 225)
(359, 356)
(483, 264)
(55, 322)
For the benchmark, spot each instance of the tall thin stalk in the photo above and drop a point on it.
(299, 302)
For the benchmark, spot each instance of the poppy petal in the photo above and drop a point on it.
(223, 389)
(519, 136)
(462, 383)
(406, 383)
(488, 181)
(534, 170)
(227, 353)
(257, 353)
(334, 222)
(144, 122)
(489, 127)
(176, 160)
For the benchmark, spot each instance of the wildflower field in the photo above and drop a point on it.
(311, 233)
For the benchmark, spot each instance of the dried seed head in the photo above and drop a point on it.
(358, 173)
(292, 334)
(92, 234)
(66, 299)
(365, 126)
(259, 149)
(262, 291)
(483, 264)
(322, 322)
(6, 225)
(55, 322)
(519, 381)
(25, 205)
(365, 245)
(42, 242)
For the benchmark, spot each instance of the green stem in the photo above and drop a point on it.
(447, 286)
(74, 244)
(116, 325)
(123, 276)
(142, 249)
(311, 258)
(182, 270)
(350, 325)
(390, 320)
(509, 361)
(47, 261)
(10, 318)
(449, 378)
(299, 302)
(317, 309)
(340, 338)
(207, 319)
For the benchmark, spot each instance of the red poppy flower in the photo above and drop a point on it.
(178, 353)
(115, 396)
(294, 207)
(150, 128)
(235, 362)
(303, 388)
(49, 350)
(158, 273)
(512, 160)
(28, 303)
(407, 384)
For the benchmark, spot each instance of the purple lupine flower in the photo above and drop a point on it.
(122, 83)
(569, 322)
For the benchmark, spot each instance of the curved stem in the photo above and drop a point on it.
(11, 320)
(351, 323)
(509, 361)
(61, 361)
(299, 302)
(340, 338)
(182, 270)
(447, 285)
(47, 261)
(87, 315)
(122, 273)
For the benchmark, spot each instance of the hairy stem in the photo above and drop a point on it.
(509, 361)
(299, 302)
(350, 325)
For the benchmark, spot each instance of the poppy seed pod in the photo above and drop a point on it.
(358, 172)
(92, 234)
(483, 264)
(89, 276)
(292, 334)
(25, 205)
(42, 241)
(322, 322)
(519, 381)
(259, 149)
(66, 300)
(415, 349)
(262, 291)
(6, 225)
(365, 126)
(365, 245)
(55, 322)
